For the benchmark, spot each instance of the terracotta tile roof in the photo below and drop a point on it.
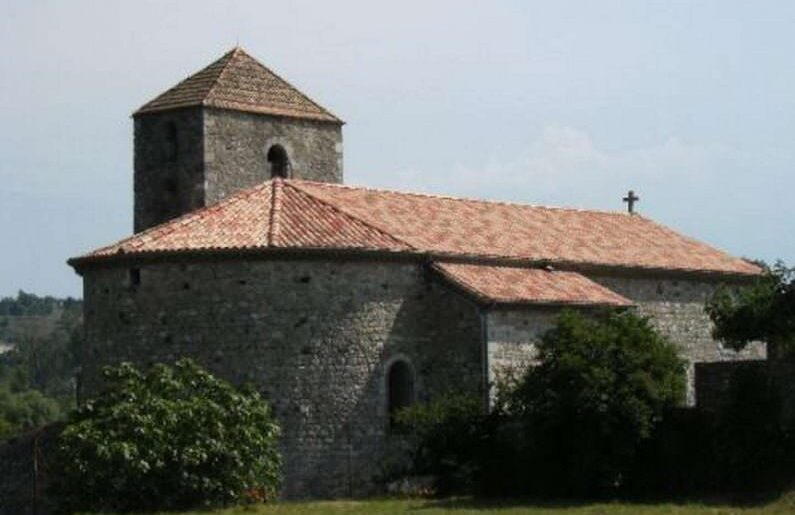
(302, 214)
(274, 214)
(239, 82)
(454, 226)
(515, 285)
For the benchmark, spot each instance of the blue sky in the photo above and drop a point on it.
(691, 104)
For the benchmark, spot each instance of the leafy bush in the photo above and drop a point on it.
(170, 438)
(598, 390)
(570, 426)
(24, 410)
(447, 438)
(764, 310)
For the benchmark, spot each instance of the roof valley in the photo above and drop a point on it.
(353, 216)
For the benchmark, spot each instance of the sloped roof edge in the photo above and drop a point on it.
(318, 215)
(221, 85)
(505, 285)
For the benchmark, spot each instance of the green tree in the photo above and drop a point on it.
(45, 354)
(600, 386)
(762, 311)
(169, 438)
(24, 410)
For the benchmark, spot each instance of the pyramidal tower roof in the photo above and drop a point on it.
(239, 82)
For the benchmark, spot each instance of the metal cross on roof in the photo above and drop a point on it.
(630, 199)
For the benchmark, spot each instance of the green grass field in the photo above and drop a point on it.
(785, 504)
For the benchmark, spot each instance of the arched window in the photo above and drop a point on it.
(171, 142)
(400, 388)
(279, 162)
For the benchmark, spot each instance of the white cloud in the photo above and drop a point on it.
(727, 196)
(565, 166)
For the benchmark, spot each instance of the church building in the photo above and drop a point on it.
(343, 303)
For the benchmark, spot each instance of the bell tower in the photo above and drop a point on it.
(228, 127)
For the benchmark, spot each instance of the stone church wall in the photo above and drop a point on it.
(317, 337)
(676, 307)
(237, 144)
(512, 335)
(314, 336)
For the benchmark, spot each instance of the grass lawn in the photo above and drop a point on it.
(786, 504)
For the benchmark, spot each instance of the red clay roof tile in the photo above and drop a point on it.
(274, 214)
(301, 214)
(454, 226)
(516, 285)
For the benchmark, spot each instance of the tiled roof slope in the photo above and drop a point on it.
(239, 82)
(274, 214)
(302, 214)
(515, 285)
(454, 226)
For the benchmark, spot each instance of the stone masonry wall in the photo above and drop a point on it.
(168, 181)
(317, 336)
(512, 337)
(314, 336)
(676, 308)
(237, 144)
(219, 152)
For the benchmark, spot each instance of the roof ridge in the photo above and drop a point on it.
(274, 225)
(230, 55)
(469, 199)
(294, 184)
(290, 84)
(144, 108)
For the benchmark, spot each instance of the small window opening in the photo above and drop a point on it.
(400, 389)
(135, 276)
(171, 142)
(279, 162)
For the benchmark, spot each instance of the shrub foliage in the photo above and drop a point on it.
(24, 410)
(600, 387)
(570, 426)
(169, 438)
(446, 438)
(764, 310)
